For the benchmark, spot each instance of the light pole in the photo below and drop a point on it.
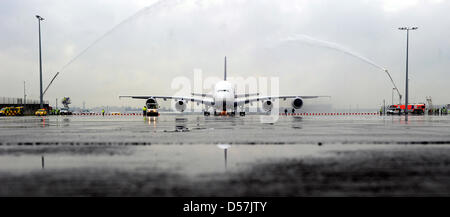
(40, 61)
(406, 88)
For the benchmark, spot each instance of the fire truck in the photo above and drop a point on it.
(418, 109)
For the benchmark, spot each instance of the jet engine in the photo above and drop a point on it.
(297, 103)
(180, 105)
(267, 105)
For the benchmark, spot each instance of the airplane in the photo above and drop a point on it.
(224, 99)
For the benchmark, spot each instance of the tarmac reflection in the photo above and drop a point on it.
(152, 121)
(225, 148)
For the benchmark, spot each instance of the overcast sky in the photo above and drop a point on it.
(144, 54)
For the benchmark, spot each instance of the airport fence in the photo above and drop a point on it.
(18, 101)
(281, 114)
(328, 113)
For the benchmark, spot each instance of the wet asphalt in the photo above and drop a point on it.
(191, 155)
(251, 129)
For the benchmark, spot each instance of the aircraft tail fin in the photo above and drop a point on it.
(225, 70)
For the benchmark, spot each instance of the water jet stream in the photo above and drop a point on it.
(151, 8)
(334, 46)
(158, 5)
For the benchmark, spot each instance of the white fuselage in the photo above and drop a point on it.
(223, 96)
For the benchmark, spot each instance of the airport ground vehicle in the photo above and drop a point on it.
(65, 111)
(152, 108)
(418, 109)
(41, 112)
(394, 111)
(11, 111)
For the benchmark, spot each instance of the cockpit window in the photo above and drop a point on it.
(223, 91)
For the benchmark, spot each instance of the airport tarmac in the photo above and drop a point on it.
(197, 129)
(191, 155)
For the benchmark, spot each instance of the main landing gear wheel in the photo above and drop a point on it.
(206, 113)
(242, 113)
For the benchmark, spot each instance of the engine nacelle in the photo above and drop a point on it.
(297, 103)
(267, 105)
(180, 105)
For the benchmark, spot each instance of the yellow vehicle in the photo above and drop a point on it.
(41, 112)
(19, 110)
(11, 111)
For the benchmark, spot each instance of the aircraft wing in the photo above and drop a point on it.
(202, 95)
(246, 101)
(246, 95)
(192, 99)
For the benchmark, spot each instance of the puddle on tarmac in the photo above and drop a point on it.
(184, 159)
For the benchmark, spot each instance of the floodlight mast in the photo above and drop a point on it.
(41, 98)
(407, 50)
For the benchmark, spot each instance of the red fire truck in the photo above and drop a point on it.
(418, 109)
